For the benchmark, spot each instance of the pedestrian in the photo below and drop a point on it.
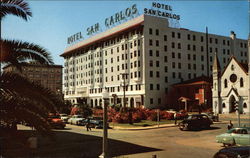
(88, 125)
(230, 125)
(175, 118)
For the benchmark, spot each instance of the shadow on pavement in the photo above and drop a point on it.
(71, 145)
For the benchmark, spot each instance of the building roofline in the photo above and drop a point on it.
(35, 65)
(102, 35)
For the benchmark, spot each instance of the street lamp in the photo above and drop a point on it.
(124, 76)
(105, 96)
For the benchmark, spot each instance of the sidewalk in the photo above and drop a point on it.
(155, 126)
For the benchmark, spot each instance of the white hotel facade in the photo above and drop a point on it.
(154, 56)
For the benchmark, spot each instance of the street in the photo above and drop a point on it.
(163, 142)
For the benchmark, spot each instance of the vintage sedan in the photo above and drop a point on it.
(76, 119)
(235, 136)
(234, 152)
(195, 121)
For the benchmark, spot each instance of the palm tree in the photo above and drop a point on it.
(21, 99)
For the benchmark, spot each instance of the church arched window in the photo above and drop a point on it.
(223, 105)
(225, 83)
(245, 105)
(241, 82)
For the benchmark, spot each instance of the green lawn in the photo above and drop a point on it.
(143, 123)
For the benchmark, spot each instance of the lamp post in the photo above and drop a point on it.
(124, 76)
(238, 112)
(105, 96)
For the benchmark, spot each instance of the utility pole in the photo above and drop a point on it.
(124, 76)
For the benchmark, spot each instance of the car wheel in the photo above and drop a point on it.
(233, 143)
(183, 126)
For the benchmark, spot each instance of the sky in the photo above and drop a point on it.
(54, 21)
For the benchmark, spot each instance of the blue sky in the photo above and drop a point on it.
(54, 21)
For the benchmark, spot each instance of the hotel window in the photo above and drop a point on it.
(135, 43)
(216, 41)
(139, 42)
(202, 67)
(150, 52)
(111, 60)
(188, 47)
(150, 42)
(151, 87)
(131, 45)
(139, 53)
(194, 57)
(117, 58)
(135, 74)
(211, 49)
(189, 66)
(179, 45)
(173, 45)
(139, 73)
(123, 47)
(157, 42)
(189, 56)
(131, 55)
(189, 75)
(173, 65)
(224, 42)
(179, 35)
(179, 75)
(179, 65)
(157, 74)
(135, 53)
(179, 55)
(194, 48)
(150, 73)
(173, 55)
(131, 87)
(228, 43)
(157, 63)
(165, 59)
(165, 48)
(210, 40)
(166, 79)
(118, 78)
(166, 69)
(173, 34)
(126, 46)
(131, 65)
(118, 68)
(131, 75)
(151, 101)
(228, 52)
(224, 51)
(194, 38)
(150, 31)
(111, 69)
(173, 74)
(211, 59)
(156, 32)
(194, 66)
(202, 38)
(117, 49)
(158, 87)
(202, 58)
(157, 53)
(165, 38)
(135, 65)
(188, 36)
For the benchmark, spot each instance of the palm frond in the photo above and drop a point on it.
(18, 8)
(14, 52)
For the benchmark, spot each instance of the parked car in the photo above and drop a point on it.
(76, 119)
(235, 136)
(234, 152)
(56, 122)
(213, 117)
(195, 121)
(95, 122)
(64, 117)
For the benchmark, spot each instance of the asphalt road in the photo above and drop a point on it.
(169, 142)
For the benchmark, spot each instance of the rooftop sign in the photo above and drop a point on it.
(163, 12)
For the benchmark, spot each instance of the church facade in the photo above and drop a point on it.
(231, 88)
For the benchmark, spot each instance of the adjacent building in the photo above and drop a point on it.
(231, 88)
(49, 76)
(143, 57)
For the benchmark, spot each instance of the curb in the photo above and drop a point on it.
(144, 128)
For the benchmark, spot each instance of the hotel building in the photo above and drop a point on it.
(145, 56)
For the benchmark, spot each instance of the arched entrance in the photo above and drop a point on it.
(232, 104)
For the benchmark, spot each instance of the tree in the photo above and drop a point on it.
(24, 101)
(21, 99)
